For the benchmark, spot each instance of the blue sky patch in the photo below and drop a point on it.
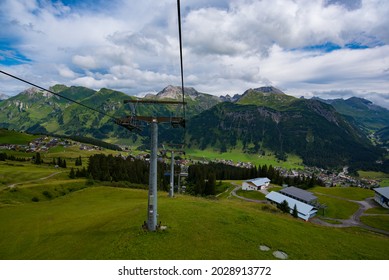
(356, 46)
(9, 56)
(326, 47)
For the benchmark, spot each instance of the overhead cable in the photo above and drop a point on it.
(57, 94)
(182, 66)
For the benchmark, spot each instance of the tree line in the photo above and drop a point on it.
(4, 157)
(202, 177)
(36, 159)
(116, 169)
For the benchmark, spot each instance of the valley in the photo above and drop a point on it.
(55, 205)
(46, 215)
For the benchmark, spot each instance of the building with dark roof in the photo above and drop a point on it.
(382, 196)
(299, 194)
(304, 211)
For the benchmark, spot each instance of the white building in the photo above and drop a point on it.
(382, 196)
(255, 184)
(304, 211)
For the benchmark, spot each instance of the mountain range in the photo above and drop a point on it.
(324, 133)
(3, 96)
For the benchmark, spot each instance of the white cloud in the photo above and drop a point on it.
(229, 46)
(65, 72)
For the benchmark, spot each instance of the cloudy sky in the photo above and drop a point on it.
(326, 48)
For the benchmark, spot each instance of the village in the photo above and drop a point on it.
(43, 144)
(329, 177)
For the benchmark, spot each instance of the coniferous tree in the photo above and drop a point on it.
(3, 156)
(78, 161)
(264, 171)
(210, 185)
(295, 212)
(37, 159)
(72, 174)
(284, 206)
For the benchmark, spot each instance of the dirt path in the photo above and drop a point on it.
(233, 193)
(31, 181)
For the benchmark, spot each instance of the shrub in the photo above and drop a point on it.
(14, 189)
(47, 194)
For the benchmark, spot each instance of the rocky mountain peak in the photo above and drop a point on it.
(175, 92)
(30, 91)
(269, 90)
(3, 96)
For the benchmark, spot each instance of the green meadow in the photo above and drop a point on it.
(16, 172)
(293, 162)
(351, 193)
(251, 194)
(383, 177)
(14, 137)
(98, 222)
(380, 222)
(59, 218)
(337, 208)
(335, 199)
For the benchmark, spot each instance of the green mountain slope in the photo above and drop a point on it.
(266, 96)
(261, 119)
(308, 128)
(383, 135)
(365, 113)
(35, 111)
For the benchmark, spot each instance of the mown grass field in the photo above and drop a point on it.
(351, 193)
(105, 223)
(15, 172)
(337, 207)
(238, 156)
(383, 177)
(14, 137)
(74, 220)
(381, 222)
(77, 219)
(74, 152)
(251, 194)
(377, 210)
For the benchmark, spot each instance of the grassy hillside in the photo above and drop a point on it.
(105, 223)
(59, 218)
(266, 96)
(236, 155)
(12, 173)
(14, 137)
